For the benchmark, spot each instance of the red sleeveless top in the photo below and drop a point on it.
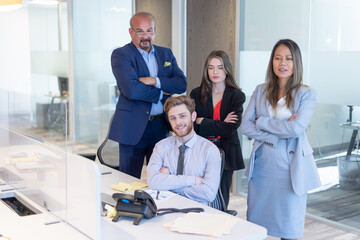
(216, 116)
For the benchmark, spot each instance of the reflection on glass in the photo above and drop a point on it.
(94, 83)
(51, 181)
(330, 47)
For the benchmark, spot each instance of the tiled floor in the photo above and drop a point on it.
(329, 202)
(337, 205)
(314, 229)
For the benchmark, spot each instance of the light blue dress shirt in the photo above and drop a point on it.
(202, 159)
(151, 63)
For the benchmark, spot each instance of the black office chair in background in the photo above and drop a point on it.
(108, 152)
(219, 202)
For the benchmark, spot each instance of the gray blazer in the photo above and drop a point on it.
(303, 170)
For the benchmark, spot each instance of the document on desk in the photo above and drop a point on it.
(160, 196)
(25, 159)
(18, 157)
(28, 162)
(213, 225)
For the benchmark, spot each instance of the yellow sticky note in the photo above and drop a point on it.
(137, 185)
(111, 211)
(123, 187)
(166, 64)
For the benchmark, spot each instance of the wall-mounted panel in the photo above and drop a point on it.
(161, 9)
(210, 26)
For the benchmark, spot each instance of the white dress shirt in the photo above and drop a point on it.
(202, 159)
(151, 63)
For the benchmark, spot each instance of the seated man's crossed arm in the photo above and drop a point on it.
(201, 175)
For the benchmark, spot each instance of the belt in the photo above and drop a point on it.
(214, 140)
(156, 117)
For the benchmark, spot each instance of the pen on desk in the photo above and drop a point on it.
(105, 173)
(157, 195)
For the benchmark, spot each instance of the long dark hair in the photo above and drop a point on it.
(294, 82)
(206, 84)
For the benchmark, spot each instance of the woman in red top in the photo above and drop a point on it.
(219, 105)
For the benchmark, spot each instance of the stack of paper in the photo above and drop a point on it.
(123, 187)
(25, 159)
(28, 164)
(213, 225)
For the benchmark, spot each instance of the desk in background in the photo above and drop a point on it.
(349, 165)
(355, 126)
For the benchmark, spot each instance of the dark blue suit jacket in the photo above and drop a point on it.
(134, 104)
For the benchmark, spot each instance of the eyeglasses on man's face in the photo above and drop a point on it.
(149, 32)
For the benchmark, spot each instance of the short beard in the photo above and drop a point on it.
(189, 127)
(145, 47)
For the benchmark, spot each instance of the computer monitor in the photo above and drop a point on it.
(63, 86)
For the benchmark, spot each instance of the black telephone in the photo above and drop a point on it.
(139, 205)
(142, 205)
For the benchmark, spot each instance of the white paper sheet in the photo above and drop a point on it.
(213, 225)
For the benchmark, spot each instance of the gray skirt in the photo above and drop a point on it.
(272, 202)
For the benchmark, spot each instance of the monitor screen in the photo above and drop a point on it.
(63, 86)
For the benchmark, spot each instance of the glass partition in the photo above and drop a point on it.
(63, 186)
(95, 89)
(33, 166)
(43, 119)
(330, 46)
(37, 41)
(4, 108)
(84, 209)
(49, 39)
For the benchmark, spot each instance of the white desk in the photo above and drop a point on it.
(33, 227)
(153, 228)
(355, 126)
(79, 177)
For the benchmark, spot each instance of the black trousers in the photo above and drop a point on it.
(226, 180)
(225, 184)
(132, 156)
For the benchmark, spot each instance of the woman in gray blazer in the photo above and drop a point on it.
(282, 167)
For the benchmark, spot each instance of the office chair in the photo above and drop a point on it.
(219, 202)
(108, 152)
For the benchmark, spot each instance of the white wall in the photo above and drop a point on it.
(15, 51)
(48, 61)
(268, 21)
(15, 58)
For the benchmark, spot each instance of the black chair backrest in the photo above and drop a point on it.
(219, 202)
(108, 152)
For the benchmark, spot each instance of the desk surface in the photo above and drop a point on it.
(352, 125)
(33, 227)
(153, 228)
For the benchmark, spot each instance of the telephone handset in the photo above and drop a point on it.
(139, 205)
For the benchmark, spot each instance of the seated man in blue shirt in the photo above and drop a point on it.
(200, 176)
